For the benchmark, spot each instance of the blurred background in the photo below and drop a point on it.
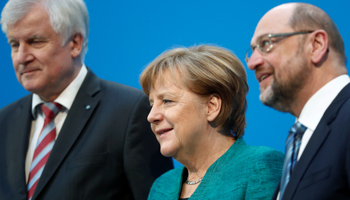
(127, 35)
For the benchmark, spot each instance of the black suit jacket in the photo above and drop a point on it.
(323, 171)
(105, 149)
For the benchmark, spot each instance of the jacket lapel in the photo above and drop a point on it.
(83, 106)
(18, 140)
(315, 143)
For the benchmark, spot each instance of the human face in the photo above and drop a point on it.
(281, 72)
(178, 118)
(42, 64)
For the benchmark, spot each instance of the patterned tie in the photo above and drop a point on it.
(44, 145)
(291, 157)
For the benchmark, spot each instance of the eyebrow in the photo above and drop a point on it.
(10, 40)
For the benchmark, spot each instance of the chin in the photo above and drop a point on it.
(167, 151)
(266, 95)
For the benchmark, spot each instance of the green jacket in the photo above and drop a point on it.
(243, 172)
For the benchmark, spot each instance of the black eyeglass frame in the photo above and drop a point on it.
(269, 35)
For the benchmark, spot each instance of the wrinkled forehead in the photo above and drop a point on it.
(168, 77)
(274, 21)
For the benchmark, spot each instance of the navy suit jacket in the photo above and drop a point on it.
(323, 171)
(105, 149)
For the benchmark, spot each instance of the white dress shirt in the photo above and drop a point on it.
(316, 106)
(66, 99)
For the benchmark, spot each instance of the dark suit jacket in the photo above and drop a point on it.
(105, 149)
(323, 171)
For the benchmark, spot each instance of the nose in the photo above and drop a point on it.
(155, 115)
(23, 54)
(255, 60)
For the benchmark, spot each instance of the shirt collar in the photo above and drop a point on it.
(317, 105)
(67, 97)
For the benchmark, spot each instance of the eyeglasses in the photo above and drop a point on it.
(265, 42)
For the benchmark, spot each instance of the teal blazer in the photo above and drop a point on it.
(243, 172)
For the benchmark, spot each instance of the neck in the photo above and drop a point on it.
(321, 75)
(205, 155)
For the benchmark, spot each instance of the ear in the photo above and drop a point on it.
(319, 46)
(76, 44)
(214, 107)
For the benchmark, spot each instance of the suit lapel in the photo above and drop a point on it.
(18, 140)
(83, 106)
(277, 190)
(315, 143)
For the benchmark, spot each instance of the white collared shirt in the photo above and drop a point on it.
(317, 105)
(66, 99)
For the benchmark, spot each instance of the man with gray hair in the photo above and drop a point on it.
(298, 57)
(76, 136)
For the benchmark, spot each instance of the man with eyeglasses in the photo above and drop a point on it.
(298, 57)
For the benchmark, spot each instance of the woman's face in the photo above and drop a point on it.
(178, 117)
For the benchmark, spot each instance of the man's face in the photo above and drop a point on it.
(42, 65)
(281, 72)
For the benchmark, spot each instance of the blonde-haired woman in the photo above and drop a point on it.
(198, 99)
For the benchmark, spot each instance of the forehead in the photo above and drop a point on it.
(274, 21)
(167, 80)
(35, 21)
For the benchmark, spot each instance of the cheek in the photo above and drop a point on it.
(14, 61)
(153, 127)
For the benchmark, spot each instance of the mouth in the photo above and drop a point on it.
(262, 76)
(163, 131)
(28, 71)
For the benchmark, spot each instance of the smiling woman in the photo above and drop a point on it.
(198, 99)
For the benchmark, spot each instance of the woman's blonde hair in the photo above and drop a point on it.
(206, 70)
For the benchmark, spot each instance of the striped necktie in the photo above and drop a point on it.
(291, 157)
(44, 145)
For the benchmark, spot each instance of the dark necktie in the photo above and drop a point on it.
(43, 147)
(291, 157)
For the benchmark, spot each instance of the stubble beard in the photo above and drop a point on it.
(282, 94)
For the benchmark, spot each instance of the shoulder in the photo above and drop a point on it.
(129, 97)
(115, 87)
(111, 90)
(341, 104)
(263, 153)
(262, 157)
(14, 105)
(259, 159)
(337, 114)
(249, 153)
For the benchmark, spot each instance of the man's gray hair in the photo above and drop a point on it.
(67, 17)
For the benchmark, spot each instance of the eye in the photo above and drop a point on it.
(36, 42)
(167, 101)
(264, 44)
(14, 45)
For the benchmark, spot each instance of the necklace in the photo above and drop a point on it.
(193, 182)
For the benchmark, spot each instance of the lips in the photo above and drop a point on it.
(27, 71)
(262, 76)
(162, 131)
